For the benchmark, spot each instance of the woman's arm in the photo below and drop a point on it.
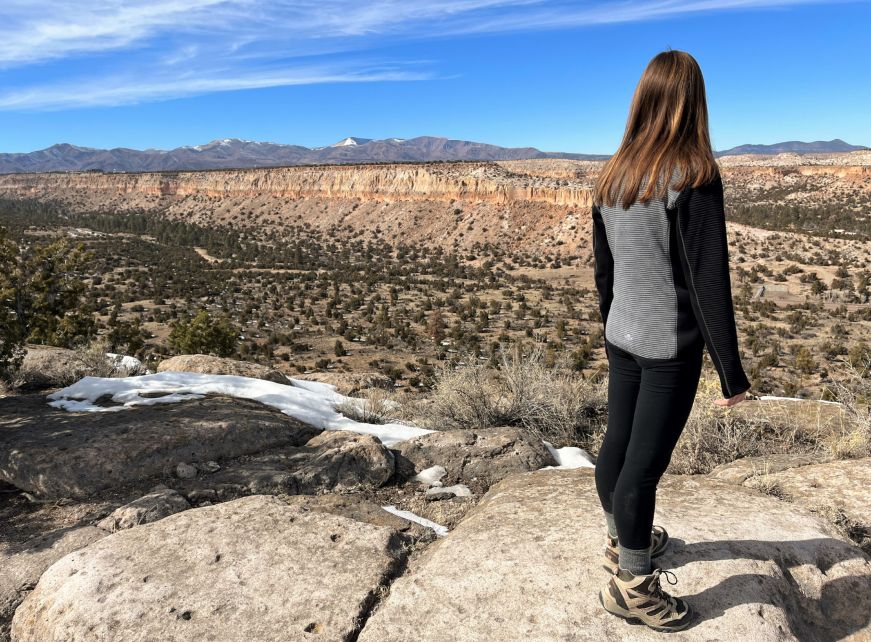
(604, 267)
(704, 256)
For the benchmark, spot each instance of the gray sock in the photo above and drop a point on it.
(612, 527)
(634, 561)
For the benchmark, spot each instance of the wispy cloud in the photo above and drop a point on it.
(146, 50)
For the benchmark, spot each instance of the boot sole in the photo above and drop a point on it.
(615, 609)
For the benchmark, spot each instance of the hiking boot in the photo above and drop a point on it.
(640, 598)
(658, 542)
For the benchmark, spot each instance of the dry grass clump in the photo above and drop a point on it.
(374, 406)
(524, 390)
(851, 386)
(715, 435)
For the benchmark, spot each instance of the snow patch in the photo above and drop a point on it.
(569, 457)
(460, 490)
(773, 398)
(308, 401)
(440, 530)
(430, 476)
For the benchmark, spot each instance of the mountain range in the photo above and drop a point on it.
(235, 153)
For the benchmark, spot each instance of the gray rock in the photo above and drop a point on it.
(332, 460)
(251, 569)
(207, 364)
(525, 564)
(740, 470)
(185, 471)
(22, 564)
(149, 508)
(477, 458)
(56, 453)
(209, 467)
(50, 366)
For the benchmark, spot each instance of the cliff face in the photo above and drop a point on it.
(479, 182)
(532, 205)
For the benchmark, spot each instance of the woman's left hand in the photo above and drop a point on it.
(731, 401)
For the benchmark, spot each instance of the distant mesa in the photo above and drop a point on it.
(235, 153)
(795, 147)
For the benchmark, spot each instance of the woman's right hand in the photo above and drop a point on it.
(731, 401)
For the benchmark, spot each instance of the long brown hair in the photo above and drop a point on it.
(667, 130)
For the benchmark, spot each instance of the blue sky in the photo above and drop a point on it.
(556, 75)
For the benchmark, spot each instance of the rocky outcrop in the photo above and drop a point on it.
(525, 564)
(740, 470)
(252, 569)
(333, 460)
(838, 490)
(59, 453)
(22, 564)
(159, 503)
(485, 182)
(208, 364)
(476, 458)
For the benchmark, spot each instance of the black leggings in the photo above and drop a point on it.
(649, 402)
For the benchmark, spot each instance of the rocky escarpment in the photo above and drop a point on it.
(485, 182)
(538, 205)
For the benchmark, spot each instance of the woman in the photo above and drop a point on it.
(662, 274)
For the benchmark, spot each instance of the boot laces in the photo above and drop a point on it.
(657, 587)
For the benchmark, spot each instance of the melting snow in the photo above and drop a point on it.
(773, 398)
(569, 457)
(431, 476)
(308, 401)
(440, 530)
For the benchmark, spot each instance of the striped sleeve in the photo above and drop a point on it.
(704, 256)
(604, 267)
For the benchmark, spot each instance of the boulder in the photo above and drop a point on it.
(740, 470)
(476, 458)
(159, 503)
(207, 364)
(333, 460)
(251, 569)
(60, 453)
(351, 383)
(22, 564)
(526, 564)
(50, 367)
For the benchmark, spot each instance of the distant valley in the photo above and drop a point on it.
(342, 267)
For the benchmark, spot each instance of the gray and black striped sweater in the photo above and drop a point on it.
(662, 272)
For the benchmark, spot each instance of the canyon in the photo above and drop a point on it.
(533, 205)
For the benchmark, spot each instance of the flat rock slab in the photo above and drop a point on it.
(843, 485)
(525, 564)
(22, 564)
(476, 458)
(251, 569)
(740, 470)
(56, 453)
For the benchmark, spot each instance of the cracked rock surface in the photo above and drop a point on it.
(525, 564)
(254, 568)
